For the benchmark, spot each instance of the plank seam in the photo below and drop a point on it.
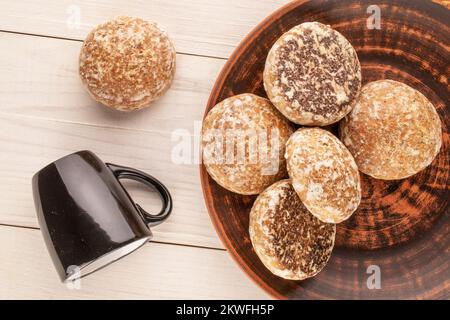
(151, 241)
(81, 41)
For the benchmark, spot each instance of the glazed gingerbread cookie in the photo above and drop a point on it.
(312, 75)
(393, 131)
(324, 174)
(289, 240)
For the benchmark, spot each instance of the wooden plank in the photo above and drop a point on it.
(39, 78)
(203, 27)
(155, 271)
(29, 144)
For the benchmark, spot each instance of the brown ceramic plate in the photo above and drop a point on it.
(401, 227)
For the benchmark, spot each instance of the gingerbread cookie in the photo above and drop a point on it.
(312, 75)
(393, 132)
(289, 240)
(243, 140)
(324, 174)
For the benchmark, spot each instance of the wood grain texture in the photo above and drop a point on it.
(26, 272)
(401, 226)
(46, 113)
(202, 27)
(37, 142)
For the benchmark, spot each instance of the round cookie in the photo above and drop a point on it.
(126, 63)
(289, 240)
(393, 132)
(243, 144)
(312, 75)
(324, 174)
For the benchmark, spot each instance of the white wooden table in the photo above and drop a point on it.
(45, 114)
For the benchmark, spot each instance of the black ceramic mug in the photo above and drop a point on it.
(87, 217)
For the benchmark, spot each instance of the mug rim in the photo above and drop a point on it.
(72, 277)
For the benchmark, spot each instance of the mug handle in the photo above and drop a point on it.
(151, 220)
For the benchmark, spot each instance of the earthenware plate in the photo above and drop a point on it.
(397, 244)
